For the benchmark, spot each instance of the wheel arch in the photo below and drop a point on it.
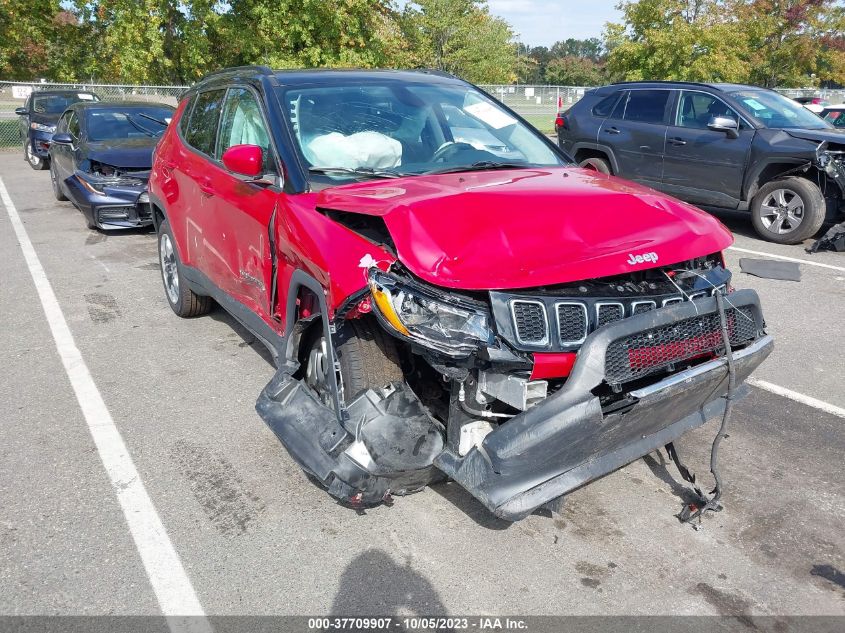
(581, 151)
(777, 169)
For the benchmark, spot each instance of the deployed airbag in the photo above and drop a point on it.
(372, 150)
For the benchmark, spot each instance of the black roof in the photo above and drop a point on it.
(289, 77)
(61, 93)
(723, 87)
(117, 105)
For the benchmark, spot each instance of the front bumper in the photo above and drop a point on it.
(569, 440)
(388, 442)
(115, 207)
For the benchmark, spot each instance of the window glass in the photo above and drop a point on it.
(603, 107)
(61, 126)
(411, 128)
(202, 128)
(56, 104)
(243, 124)
(836, 118)
(104, 124)
(777, 111)
(619, 110)
(73, 125)
(646, 106)
(696, 109)
(186, 116)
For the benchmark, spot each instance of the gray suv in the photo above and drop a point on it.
(718, 146)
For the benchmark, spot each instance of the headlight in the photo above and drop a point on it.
(43, 128)
(451, 327)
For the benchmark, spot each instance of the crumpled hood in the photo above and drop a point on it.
(522, 228)
(831, 135)
(129, 153)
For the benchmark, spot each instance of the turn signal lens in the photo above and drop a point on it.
(384, 305)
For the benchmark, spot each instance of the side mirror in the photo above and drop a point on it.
(21, 111)
(244, 160)
(62, 139)
(724, 124)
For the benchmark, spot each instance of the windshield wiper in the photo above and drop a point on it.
(138, 126)
(152, 118)
(481, 165)
(359, 171)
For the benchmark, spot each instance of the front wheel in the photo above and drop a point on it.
(57, 187)
(183, 301)
(34, 160)
(788, 211)
(598, 164)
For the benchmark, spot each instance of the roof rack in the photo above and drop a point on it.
(262, 70)
(661, 81)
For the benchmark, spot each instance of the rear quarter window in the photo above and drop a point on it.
(186, 115)
(647, 106)
(604, 107)
(202, 126)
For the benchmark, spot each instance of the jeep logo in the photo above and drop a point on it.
(642, 258)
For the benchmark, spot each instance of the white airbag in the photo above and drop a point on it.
(372, 150)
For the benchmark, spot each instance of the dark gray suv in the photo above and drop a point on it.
(718, 146)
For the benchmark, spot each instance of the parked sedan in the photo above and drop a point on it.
(38, 119)
(100, 160)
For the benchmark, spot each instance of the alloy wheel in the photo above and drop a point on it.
(169, 270)
(782, 211)
(31, 156)
(317, 372)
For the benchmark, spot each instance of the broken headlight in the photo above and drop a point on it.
(450, 325)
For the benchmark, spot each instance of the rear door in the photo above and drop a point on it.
(702, 166)
(240, 234)
(636, 130)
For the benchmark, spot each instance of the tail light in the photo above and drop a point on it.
(560, 122)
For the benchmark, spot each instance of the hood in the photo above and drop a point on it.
(489, 230)
(130, 153)
(831, 135)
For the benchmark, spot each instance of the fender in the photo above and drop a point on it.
(606, 149)
(750, 186)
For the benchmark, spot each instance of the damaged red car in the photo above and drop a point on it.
(444, 292)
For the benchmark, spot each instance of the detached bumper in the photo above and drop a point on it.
(113, 206)
(569, 440)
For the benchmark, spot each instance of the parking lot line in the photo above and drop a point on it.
(789, 259)
(798, 397)
(173, 588)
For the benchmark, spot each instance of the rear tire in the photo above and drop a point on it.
(599, 164)
(788, 211)
(183, 301)
(57, 187)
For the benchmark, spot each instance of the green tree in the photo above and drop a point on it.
(26, 29)
(590, 48)
(574, 71)
(460, 37)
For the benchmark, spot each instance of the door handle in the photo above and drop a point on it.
(677, 141)
(612, 130)
(205, 187)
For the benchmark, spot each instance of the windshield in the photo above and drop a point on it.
(835, 117)
(56, 104)
(776, 111)
(105, 125)
(348, 131)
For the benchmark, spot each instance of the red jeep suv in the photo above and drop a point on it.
(443, 291)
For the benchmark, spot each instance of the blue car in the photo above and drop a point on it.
(100, 159)
(38, 119)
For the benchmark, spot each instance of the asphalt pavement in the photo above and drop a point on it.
(254, 536)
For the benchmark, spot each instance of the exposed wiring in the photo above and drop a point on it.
(462, 396)
(712, 285)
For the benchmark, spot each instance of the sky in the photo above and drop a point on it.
(544, 22)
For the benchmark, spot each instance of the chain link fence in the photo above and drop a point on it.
(537, 104)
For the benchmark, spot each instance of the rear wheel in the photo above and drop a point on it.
(184, 301)
(599, 164)
(788, 211)
(34, 160)
(57, 187)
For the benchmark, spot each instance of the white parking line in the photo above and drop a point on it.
(170, 583)
(798, 397)
(784, 257)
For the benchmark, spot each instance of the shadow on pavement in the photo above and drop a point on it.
(373, 583)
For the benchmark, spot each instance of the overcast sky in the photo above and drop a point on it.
(544, 22)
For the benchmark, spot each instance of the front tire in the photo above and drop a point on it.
(57, 186)
(788, 211)
(34, 160)
(183, 301)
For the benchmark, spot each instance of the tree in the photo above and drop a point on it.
(574, 71)
(460, 37)
(590, 48)
(26, 29)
